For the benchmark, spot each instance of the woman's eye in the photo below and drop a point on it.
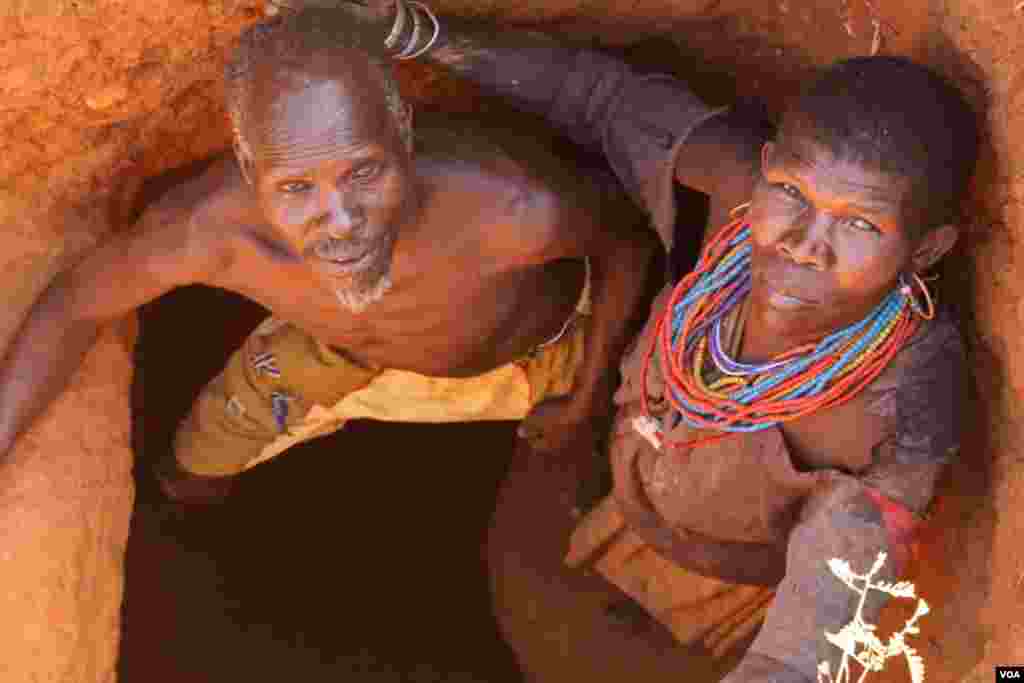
(861, 224)
(295, 187)
(790, 191)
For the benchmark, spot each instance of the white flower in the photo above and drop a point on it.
(873, 652)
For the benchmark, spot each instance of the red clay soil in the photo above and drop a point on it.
(341, 562)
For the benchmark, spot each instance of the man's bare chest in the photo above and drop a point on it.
(447, 313)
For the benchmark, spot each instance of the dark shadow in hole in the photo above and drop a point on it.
(359, 554)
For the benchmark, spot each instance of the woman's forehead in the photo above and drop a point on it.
(805, 155)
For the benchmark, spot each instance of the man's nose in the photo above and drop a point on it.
(341, 214)
(809, 244)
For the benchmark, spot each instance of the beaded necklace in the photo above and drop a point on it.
(710, 390)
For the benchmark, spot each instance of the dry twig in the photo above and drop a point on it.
(858, 641)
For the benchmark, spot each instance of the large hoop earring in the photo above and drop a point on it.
(398, 27)
(907, 289)
(737, 210)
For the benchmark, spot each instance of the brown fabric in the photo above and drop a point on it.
(315, 390)
(745, 489)
(645, 133)
(232, 420)
(701, 612)
(742, 509)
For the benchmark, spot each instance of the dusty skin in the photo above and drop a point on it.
(88, 85)
(375, 244)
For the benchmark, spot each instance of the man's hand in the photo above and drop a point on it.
(187, 489)
(558, 425)
(577, 422)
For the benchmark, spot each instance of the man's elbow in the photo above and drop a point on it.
(627, 250)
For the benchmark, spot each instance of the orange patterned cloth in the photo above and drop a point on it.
(284, 387)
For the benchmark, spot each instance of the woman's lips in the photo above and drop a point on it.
(782, 295)
(782, 288)
(786, 301)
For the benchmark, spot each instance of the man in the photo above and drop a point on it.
(461, 275)
(795, 398)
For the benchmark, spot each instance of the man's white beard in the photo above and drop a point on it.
(357, 299)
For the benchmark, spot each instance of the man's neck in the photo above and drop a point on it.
(411, 232)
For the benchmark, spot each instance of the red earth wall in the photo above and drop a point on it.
(95, 94)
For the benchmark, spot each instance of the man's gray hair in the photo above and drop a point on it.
(290, 42)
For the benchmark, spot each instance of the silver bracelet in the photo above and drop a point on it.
(405, 53)
(399, 26)
(417, 27)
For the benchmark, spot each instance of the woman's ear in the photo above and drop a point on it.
(767, 151)
(935, 244)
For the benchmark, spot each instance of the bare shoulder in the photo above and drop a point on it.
(531, 180)
(498, 156)
(186, 211)
(163, 249)
(193, 192)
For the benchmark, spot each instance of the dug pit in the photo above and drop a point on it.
(311, 571)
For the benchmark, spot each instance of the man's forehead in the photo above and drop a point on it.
(308, 111)
(310, 104)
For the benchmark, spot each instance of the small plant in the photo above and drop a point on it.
(858, 641)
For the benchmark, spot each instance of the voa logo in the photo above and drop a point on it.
(1009, 675)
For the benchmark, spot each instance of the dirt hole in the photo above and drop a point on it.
(357, 554)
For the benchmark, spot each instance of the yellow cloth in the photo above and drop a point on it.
(233, 425)
(700, 611)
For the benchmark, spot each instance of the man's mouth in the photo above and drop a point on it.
(346, 264)
(339, 251)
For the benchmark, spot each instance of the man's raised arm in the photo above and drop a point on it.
(129, 270)
(651, 129)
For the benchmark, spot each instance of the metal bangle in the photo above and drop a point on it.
(433, 38)
(399, 26)
(417, 28)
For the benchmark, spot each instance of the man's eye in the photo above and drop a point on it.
(295, 187)
(366, 171)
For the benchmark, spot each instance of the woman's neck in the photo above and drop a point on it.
(763, 339)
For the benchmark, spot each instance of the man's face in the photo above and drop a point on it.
(334, 178)
(829, 238)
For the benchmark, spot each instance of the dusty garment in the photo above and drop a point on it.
(746, 515)
(702, 612)
(284, 387)
(741, 509)
(749, 488)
